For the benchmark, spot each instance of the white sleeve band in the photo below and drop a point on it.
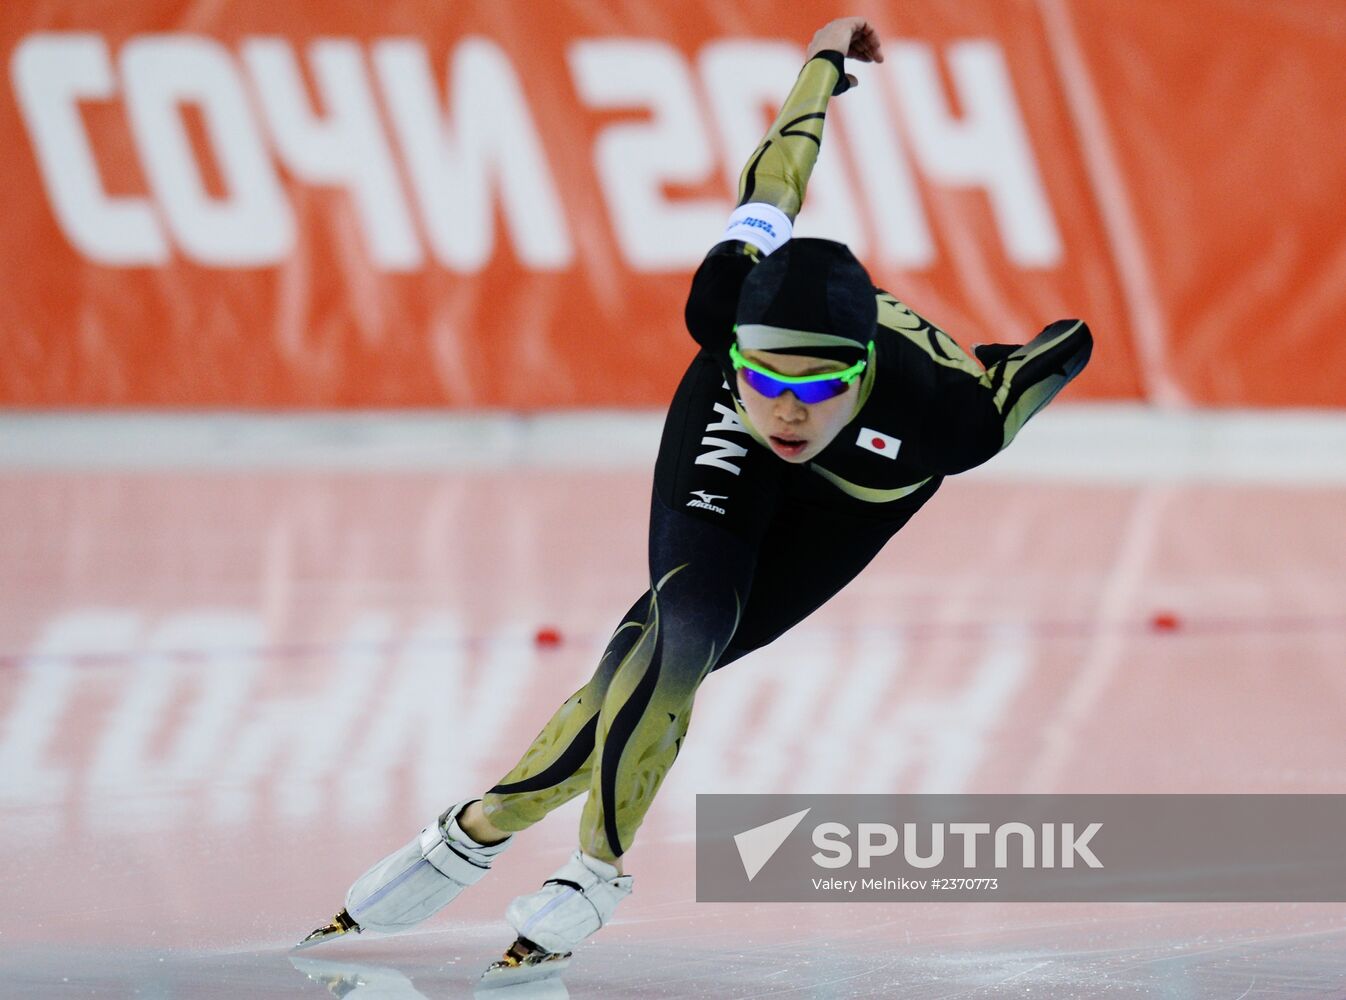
(764, 226)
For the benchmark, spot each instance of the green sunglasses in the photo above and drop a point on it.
(806, 388)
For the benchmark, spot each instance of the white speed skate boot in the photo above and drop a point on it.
(577, 900)
(414, 882)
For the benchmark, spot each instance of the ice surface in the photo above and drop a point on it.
(226, 688)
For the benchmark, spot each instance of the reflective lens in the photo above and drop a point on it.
(805, 392)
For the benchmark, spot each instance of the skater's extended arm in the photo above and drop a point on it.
(771, 185)
(973, 409)
(1022, 380)
(983, 416)
(778, 170)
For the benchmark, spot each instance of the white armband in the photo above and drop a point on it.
(764, 226)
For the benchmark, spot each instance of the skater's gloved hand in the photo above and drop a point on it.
(854, 38)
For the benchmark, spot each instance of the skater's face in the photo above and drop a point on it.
(796, 431)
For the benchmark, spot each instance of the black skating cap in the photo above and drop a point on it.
(809, 297)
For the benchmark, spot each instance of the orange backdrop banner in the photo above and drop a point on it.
(501, 203)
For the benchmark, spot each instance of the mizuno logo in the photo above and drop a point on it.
(703, 500)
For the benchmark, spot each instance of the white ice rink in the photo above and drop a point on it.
(243, 656)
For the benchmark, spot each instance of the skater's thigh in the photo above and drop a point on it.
(810, 550)
(714, 491)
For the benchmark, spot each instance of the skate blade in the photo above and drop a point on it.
(341, 924)
(524, 962)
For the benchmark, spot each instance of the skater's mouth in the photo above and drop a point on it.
(787, 447)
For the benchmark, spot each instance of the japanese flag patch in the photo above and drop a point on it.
(878, 442)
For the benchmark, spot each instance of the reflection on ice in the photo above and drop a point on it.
(353, 979)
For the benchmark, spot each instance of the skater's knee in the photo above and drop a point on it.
(696, 614)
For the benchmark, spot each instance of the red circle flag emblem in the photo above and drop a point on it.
(878, 442)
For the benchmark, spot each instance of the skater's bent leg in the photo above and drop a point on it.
(714, 490)
(415, 881)
(696, 605)
(557, 766)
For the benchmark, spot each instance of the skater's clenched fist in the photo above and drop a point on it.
(854, 37)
